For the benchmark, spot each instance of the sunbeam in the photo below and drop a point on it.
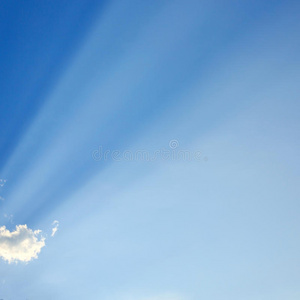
(149, 150)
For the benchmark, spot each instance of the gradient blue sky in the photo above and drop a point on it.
(219, 77)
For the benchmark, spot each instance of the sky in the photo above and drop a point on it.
(149, 150)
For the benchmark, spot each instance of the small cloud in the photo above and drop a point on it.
(55, 228)
(23, 244)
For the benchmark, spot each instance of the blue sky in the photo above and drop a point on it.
(195, 105)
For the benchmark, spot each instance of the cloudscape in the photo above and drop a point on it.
(149, 150)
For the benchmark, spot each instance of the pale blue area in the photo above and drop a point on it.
(219, 77)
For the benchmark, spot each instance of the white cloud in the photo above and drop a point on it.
(23, 244)
(55, 228)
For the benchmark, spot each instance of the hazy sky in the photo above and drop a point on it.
(149, 150)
